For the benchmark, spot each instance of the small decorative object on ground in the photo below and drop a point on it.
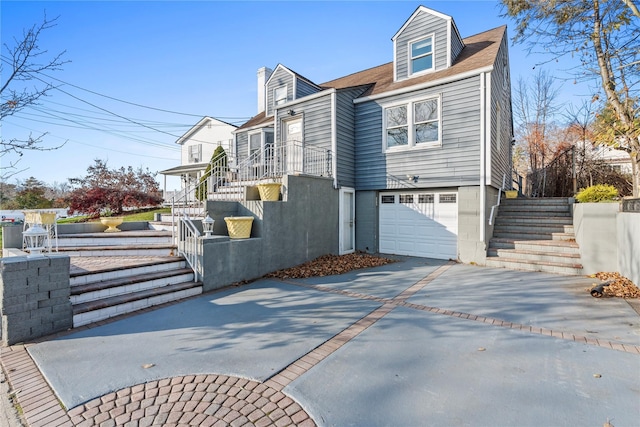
(328, 265)
(112, 222)
(616, 285)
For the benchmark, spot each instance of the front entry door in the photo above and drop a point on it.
(347, 221)
(294, 150)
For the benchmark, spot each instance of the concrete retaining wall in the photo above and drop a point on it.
(284, 233)
(596, 234)
(34, 297)
(629, 245)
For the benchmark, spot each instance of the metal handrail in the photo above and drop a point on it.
(493, 208)
(188, 245)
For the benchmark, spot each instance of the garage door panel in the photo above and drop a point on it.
(427, 229)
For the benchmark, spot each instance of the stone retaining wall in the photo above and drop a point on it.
(34, 297)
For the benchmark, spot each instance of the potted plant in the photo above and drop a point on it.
(269, 191)
(239, 227)
(112, 222)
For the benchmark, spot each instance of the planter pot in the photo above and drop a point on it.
(511, 194)
(239, 227)
(269, 191)
(112, 222)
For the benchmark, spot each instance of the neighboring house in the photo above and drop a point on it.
(618, 160)
(197, 147)
(419, 146)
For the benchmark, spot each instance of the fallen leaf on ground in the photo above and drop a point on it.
(619, 285)
(329, 265)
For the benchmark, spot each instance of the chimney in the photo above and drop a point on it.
(263, 75)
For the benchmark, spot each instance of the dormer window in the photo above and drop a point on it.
(280, 95)
(421, 53)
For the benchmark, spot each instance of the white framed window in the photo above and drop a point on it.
(414, 124)
(280, 95)
(255, 142)
(195, 153)
(421, 55)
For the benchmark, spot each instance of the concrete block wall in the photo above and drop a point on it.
(471, 249)
(34, 297)
(299, 228)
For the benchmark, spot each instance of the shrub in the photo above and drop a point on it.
(597, 194)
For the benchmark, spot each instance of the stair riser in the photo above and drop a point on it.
(495, 262)
(106, 241)
(531, 246)
(131, 271)
(132, 287)
(535, 236)
(536, 202)
(534, 211)
(544, 257)
(105, 313)
(529, 221)
(121, 252)
(541, 228)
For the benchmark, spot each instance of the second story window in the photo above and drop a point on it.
(195, 153)
(255, 142)
(421, 53)
(280, 95)
(414, 124)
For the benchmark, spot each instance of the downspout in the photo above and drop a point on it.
(483, 190)
(334, 139)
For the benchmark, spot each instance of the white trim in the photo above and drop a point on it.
(395, 61)
(413, 16)
(341, 230)
(425, 85)
(410, 72)
(411, 143)
(306, 98)
(334, 138)
(448, 44)
(488, 129)
(249, 135)
(483, 190)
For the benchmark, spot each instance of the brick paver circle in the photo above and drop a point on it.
(202, 400)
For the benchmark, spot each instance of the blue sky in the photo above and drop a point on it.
(194, 59)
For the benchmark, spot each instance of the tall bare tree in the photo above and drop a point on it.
(22, 85)
(534, 108)
(603, 34)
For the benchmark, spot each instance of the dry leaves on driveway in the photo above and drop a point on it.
(328, 265)
(619, 285)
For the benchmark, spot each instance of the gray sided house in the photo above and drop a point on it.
(418, 147)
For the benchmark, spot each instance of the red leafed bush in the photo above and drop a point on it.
(110, 191)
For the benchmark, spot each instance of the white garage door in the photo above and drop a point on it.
(423, 224)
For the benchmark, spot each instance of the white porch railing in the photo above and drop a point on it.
(188, 245)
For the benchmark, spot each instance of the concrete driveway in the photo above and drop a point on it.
(415, 343)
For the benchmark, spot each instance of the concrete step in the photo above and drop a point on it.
(94, 311)
(550, 246)
(534, 210)
(94, 291)
(533, 220)
(112, 271)
(543, 228)
(124, 238)
(529, 201)
(528, 255)
(533, 234)
(120, 250)
(574, 269)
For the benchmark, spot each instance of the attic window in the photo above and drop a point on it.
(421, 52)
(280, 95)
(195, 153)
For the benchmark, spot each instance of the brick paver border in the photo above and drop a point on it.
(207, 400)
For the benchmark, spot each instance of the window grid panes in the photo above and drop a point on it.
(388, 199)
(406, 198)
(447, 198)
(255, 141)
(412, 124)
(422, 55)
(426, 121)
(195, 153)
(425, 198)
(397, 129)
(280, 95)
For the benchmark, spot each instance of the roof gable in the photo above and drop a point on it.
(415, 14)
(195, 128)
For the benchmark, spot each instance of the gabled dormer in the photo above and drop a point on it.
(429, 41)
(285, 85)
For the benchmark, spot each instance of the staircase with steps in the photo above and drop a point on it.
(536, 235)
(117, 273)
